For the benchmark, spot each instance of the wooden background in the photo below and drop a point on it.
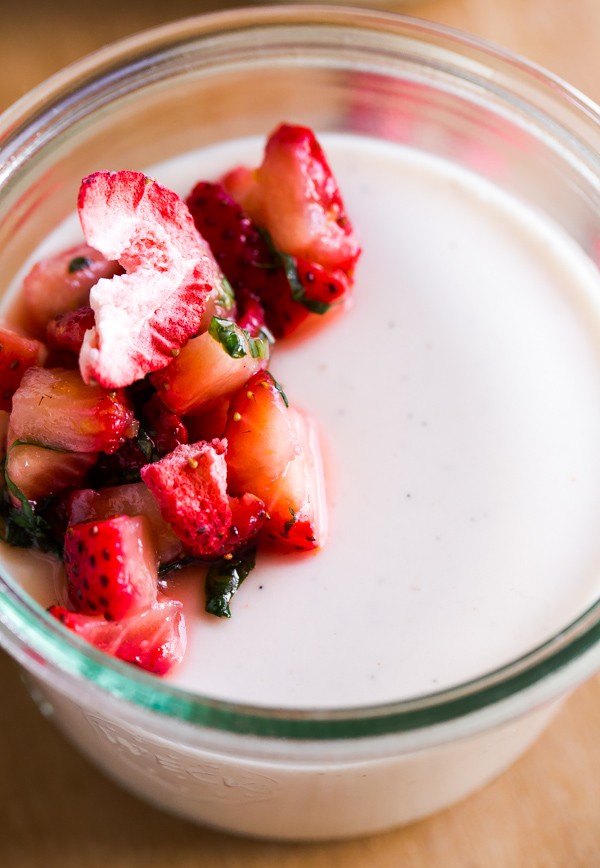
(56, 811)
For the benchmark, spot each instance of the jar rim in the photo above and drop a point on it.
(35, 638)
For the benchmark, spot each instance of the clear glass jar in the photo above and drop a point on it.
(263, 771)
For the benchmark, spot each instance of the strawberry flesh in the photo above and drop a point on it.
(39, 473)
(62, 283)
(143, 317)
(111, 566)
(66, 331)
(297, 199)
(165, 428)
(53, 407)
(154, 640)
(17, 354)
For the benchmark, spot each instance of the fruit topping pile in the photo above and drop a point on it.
(140, 427)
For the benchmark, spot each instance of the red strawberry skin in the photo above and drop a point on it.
(166, 428)
(111, 566)
(154, 639)
(190, 486)
(143, 317)
(132, 499)
(295, 196)
(255, 273)
(53, 407)
(17, 354)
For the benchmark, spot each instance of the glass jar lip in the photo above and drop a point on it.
(34, 637)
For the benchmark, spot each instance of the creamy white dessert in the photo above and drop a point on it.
(458, 400)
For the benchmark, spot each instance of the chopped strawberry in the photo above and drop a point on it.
(208, 424)
(190, 486)
(254, 270)
(298, 201)
(144, 316)
(204, 372)
(154, 640)
(132, 499)
(39, 473)
(261, 440)
(17, 354)
(248, 516)
(166, 429)
(53, 407)
(297, 509)
(66, 330)
(322, 287)
(111, 566)
(273, 452)
(62, 283)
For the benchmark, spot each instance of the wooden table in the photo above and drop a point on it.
(56, 811)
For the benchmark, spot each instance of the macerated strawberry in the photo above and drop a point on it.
(208, 424)
(111, 566)
(297, 199)
(321, 287)
(261, 440)
(66, 330)
(132, 499)
(17, 354)
(248, 516)
(53, 407)
(38, 472)
(204, 371)
(253, 268)
(297, 510)
(62, 283)
(165, 428)
(154, 640)
(273, 452)
(190, 487)
(142, 317)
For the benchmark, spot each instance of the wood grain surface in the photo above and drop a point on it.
(56, 811)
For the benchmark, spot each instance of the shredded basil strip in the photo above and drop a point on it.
(78, 263)
(223, 579)
(227, 298)
(236, 342)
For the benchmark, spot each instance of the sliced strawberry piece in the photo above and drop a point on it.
(208, 424)
(297, 508)
(273, 452)
(17, 354)
(62, 283)
(248, 516)
(39, 473)
(111, 566)
(144, 316)
(166, 428)
(190, 486)
(254, 270)
(66, 331)
(53, 407)
(154, 640)
(204, 372)
(322, 287)
(298, 201)
(260, 436)
(133, 499)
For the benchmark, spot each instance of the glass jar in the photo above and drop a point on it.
(295, 774)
